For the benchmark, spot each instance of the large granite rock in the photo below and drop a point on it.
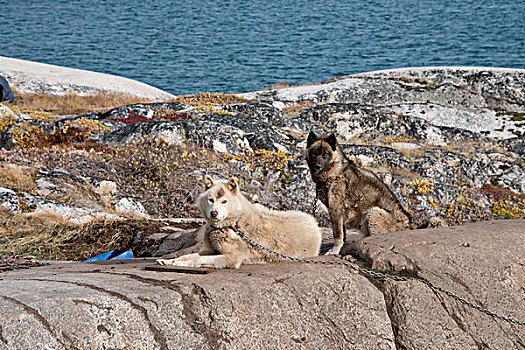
(284, 305)
(482, 262)
(258, 307)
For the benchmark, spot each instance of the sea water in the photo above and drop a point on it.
(237, 46)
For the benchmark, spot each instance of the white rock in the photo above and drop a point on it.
(106, 189)
(75, 215)
(219, 147)
(9, 200)
(131, 206)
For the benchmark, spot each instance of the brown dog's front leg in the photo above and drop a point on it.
(337, 227)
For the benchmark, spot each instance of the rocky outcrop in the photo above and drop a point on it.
(414, 128)
(440, 138)
(6, 94)
(284, 305)
(34, 77)
(9, 200)
(485, 100)
(75, 214)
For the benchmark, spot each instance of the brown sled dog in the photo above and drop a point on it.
(356, 198)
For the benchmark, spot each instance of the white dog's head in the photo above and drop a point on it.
(220, 201)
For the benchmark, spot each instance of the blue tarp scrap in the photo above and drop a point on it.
(112, 255)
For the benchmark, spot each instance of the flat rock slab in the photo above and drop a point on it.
(120, 304)
(116, 305)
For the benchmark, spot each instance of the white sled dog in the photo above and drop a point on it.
(226, 210)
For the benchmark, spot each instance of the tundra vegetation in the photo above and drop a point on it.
(166, 178)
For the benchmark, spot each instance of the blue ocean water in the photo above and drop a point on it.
(237, 46)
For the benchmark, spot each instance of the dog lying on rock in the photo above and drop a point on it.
(226, 211)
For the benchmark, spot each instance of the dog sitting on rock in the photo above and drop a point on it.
(226, 211)
(356, 198)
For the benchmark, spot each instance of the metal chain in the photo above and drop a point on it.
(314, 204)
(380, 275)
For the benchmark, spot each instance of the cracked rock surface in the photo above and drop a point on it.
(118, 304)
(482, 262)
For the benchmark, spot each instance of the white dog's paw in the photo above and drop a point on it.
(333, 251)
(165, 261)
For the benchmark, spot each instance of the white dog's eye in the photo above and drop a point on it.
(224, 201)
(210, 200)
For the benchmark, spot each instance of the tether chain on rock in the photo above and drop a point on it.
(380, 275)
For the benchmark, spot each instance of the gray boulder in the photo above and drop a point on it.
(481, 262)
(6, 94)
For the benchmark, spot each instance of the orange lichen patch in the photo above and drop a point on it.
(398, 139)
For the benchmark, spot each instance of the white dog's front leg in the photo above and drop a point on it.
(180, 258)
(216, 261)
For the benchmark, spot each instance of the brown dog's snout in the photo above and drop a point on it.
(214, 213)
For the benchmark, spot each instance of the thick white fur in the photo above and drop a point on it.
(293, 233)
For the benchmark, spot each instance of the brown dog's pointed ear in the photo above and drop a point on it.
(332, 141)
(208, 182)
(232, 185)
(312, 137)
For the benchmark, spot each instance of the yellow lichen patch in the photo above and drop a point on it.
(207, 102)
(83, 127)
(399, 140)
(510, 209)
(31, 132)
(6, 120)
(423, 186)
(262, 160)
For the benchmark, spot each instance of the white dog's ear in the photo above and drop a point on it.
(208, 182)
(232, 185)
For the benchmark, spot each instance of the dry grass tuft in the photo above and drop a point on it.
(279, 85)
(70, 104)
(17, 178)
(46, 238)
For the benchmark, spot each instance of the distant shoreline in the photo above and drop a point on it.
(34, 77)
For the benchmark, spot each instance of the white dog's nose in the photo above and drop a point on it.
(214, 214)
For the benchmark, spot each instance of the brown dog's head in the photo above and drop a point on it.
(320, 152)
